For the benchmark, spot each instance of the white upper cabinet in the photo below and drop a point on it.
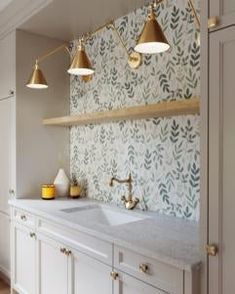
(7, 152)
(8, 63)
(224, 10)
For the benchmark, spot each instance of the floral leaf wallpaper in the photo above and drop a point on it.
(162, 154)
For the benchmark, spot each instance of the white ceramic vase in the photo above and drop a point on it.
(61, 183)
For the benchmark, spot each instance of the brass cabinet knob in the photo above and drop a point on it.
(213, 22)
(114, 275)
(32, 235)
(23, 217)
(143, 268)
(211, 249)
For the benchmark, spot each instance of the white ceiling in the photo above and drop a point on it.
(4, 3)
(67, 19)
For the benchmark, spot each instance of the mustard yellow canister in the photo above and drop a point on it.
(48, 191)
(75, 191)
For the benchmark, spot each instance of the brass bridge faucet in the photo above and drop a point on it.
(130, 202)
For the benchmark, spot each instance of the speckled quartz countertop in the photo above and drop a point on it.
(167, 239)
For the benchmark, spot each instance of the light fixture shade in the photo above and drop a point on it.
(152, 39)
(37, 79)
(81, 64)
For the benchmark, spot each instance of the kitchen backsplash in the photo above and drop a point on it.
(162, 154)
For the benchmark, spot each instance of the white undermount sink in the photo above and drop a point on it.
(101, 215)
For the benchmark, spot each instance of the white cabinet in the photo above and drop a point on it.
(7, 172)
(23, 259)
(7, 151)
(5, 244)
(7, 68)
(125, 284)
(221, 230)
(90, 276)
(50, 258)
(53, 267)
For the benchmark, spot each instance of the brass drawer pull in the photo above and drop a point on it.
(114, 275)
(211, 249)
(32, 235)
(144, 268)
(213, 22)
(23, 218)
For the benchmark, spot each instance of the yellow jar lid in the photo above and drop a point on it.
(48, 186)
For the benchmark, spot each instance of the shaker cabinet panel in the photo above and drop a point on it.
(52, 267)
(5, 244)
(126, 284)
(222, 161)
(224, 10)
(7, 152)
(24, 260)
(7, 68)
(90, 276)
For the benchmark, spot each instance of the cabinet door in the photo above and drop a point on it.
(225, 10)
(7, 152)
(52, 267)
(5, 244)
(7, 68)
(126, 284)
(24, 261)
(90, 276)
(222, 160)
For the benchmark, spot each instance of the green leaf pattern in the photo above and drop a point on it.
(162, 154)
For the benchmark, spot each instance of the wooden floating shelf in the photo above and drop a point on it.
(161, 109)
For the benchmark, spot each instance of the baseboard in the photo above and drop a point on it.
(5, 276)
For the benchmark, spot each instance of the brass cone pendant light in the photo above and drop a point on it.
(37, 79)
(152, 39)
(81, 64)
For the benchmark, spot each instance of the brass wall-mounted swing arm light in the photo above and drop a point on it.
(37, 79)
(81, 64)
(152, 40)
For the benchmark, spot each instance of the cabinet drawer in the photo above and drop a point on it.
(87, 244)
(24, 217)
(158, 274)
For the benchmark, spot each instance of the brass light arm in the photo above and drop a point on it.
(196, 17)
(134, 58)
(112, 26)
(52, 52)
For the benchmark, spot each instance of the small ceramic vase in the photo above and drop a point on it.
(62, 183)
